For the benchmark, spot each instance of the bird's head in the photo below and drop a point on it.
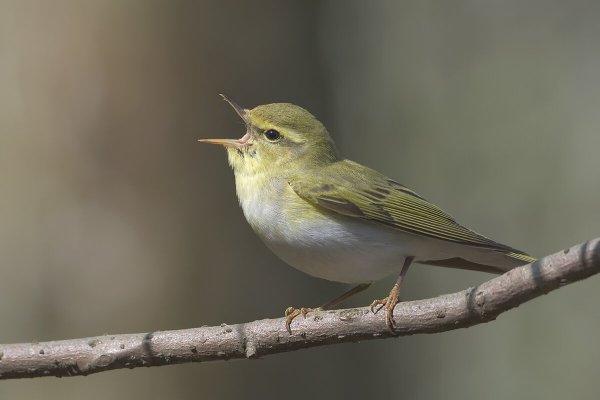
(280, 137)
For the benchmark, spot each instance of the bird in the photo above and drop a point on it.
(338, 220)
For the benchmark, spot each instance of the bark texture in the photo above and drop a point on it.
(260, 338)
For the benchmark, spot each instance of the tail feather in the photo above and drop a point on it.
(513, 259)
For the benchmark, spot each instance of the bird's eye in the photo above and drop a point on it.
(272, 135)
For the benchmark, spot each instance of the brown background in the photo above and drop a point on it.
(113, 219)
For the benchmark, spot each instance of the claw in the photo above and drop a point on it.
(291, 313)
(389, 317)
(388, 303)
(379, 303)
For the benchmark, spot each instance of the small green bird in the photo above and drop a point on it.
(338, 220)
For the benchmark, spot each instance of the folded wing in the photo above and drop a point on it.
(353, 190)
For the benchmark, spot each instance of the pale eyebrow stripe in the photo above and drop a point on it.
(262, 125)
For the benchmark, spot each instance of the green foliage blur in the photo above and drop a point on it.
(113, 219)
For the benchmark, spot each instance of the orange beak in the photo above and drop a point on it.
(232, 142)
(229, 142)
(222, 142)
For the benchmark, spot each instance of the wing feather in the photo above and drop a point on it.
(351, 189)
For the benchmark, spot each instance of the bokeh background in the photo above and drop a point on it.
(113, 219)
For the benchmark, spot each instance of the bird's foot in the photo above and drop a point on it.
(291, 313)
(388, 304)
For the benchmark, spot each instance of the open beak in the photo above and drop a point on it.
(222, 142)
(239, 110)
(229, 142)
(232, 142)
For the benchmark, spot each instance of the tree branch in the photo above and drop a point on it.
(260, 338)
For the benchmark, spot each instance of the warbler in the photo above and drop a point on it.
(338, 220)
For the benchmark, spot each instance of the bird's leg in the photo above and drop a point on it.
(344, 296)
(291, 312)
(393, 298)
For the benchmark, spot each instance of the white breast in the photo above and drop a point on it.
(327, 246)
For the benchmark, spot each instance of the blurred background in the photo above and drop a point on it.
(114, 220)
